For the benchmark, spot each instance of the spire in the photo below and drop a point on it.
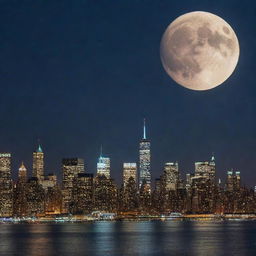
(22, 173)
(144, 129)
(100, 150)
(22, 166)
(39, 150)
(213, 158)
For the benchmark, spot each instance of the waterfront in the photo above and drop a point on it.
(117, 238)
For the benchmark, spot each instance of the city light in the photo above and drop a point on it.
(82, 194)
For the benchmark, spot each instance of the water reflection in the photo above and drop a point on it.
(129, 238)
(39, 241)
(6, 239)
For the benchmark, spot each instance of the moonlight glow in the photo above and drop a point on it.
(199, 50)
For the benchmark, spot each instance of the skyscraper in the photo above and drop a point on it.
(83, 193)
(144, 159)
(53, 200)
(129, 171)
(22, 175)
(103, 166)
(38, 164)
(70, 168)
(105, 194)
(233, 181)
(130, 199)
(6, 188)
(205, 170)
(19, 195)
(35, 196)
(171, 176)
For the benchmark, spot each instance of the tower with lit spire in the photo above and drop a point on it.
(22, 173)
(38, 164)
(103, 165)
(144, 160)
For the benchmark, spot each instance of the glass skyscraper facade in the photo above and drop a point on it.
(129, 171)
(71, 167)
(205, 170)
(171, 175)
(6, 188)
(38, 164)
(144, 160)
(103, 166)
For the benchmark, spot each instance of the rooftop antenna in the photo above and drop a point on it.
(144, 129)
(100, 150)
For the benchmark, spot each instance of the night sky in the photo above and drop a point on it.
(78, 74)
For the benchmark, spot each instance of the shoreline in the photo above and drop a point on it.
(86, 218)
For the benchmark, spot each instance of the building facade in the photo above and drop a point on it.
(206, 170)
(35, 198)
(171, 176)
(50, 181)
(6, 186)
(83, 196)
(103, 166)
(144, 160)
(233, 181)
(20, 189)
(22, 174)
(38, 164)
(70, 169)
(129, 171)
(105, 194)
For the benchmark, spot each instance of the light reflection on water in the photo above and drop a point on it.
(129, 238)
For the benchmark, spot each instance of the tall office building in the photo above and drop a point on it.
(6, 188)
(105, 194)
(5, 166)
(20, 188)
(171, 176)
(38, 164)
(70, 168)
(103, 166)
(83, 193)
(130, 199)
(233, 181)
(50, 181)
(144, 159)
(53, 200)
(35, 198)
(206, 169)
(129, 171)
(22, 175)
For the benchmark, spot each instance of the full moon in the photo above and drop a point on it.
(199, 50)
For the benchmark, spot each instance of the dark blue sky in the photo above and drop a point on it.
(77, 74)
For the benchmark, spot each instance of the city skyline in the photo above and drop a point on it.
(79, 192)
(102, 165)
(76, 92)
(127, 127)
